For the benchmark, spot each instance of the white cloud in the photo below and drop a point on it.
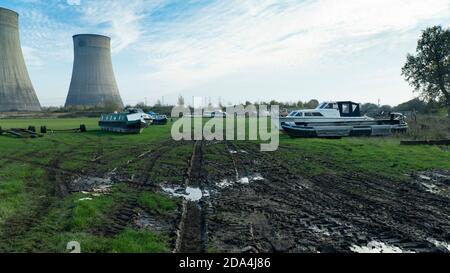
(229, 36)
(45, 37)
(74, 2)
(31, 57)
(119, 19)
(193, 46)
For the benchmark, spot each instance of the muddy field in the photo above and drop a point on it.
(238, 199)
(225, 196)
(255, 202)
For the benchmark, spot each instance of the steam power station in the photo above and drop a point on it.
(93, 83)
(16, 90)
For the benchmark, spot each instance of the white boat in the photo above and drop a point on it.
(328, 112)
(148, 118)
(339, 119)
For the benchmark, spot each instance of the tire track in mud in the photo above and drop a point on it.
(327, 213)
(360, 209)
(239, 166)
(126, 211)
(192, 228)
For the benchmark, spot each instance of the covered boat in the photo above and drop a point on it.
(339, 119)
(132, 122)
(158, 119)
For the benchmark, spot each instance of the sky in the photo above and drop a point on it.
(232, 50)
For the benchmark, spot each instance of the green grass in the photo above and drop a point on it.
(157, 202)
(370, 155)
(91, 213)
(51, 123)
(12, 195)
(15, 179)
(128, 241)
(143, 241)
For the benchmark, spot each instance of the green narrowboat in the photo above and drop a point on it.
(131, 122)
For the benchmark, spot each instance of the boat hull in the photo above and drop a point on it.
(324, 119)
(162, 121)
(135, 127)
(345, 129)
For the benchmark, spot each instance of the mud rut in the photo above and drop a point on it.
(126, 211)
(284, 212)
(191, 230)
(288, 213)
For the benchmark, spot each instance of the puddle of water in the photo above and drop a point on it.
(243, 181)
(424, 177)
(190, 193)
(377, 247)
(224, 184)
(257, 177)
(233, 152)
(193, 194)
(206, 193)
(431, 188)
(439, 244)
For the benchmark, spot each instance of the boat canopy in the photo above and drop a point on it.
(349, 109)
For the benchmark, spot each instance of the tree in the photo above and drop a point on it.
(429, 70)
(312, 104)
(110, 106)
(367, 108)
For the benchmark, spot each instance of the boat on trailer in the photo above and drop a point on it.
(340, 119)
(129, 122)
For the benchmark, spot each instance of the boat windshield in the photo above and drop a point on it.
(322, 105)
(327, 105)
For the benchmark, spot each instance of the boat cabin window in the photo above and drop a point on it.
(349, 109)
(307, 114)
(316, 114)
(345, 108)
(299, 114)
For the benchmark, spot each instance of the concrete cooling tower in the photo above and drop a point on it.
(16, 91)
(93, 83)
